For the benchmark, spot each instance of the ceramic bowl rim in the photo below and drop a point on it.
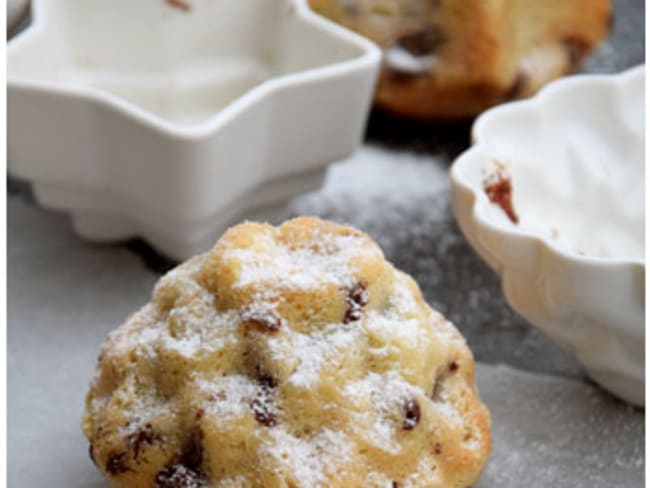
(481, 132)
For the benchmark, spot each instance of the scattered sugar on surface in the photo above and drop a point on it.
(390, 329)
(137, 332)
(379, 480)
(186, 346)
(202, 330)
(447, 409)
(312, 460)
(210, 331)
(402, 300)
(264, 303)
(399, 322)
(386, 394)
(328, 259)
(235, 482)
(373, 383)
(141, 406)
(550, 431)
(230, 395)
(423, 476)
(315, 351)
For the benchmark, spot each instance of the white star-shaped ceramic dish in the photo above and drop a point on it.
(574, 263)
(144, 119)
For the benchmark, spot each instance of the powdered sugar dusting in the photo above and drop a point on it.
(187, 330)
(312, 461)
(137, 333)
(329, 258)
(423, 476)
(229, 396)
(317, 350)
(236, 481)
(204, 333)
(386, 395)
(397, 323)
(379, 480)
(401, 299)
(391, 330)
(140, 409)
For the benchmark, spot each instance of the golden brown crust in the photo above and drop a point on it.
(455, 58)
(294, 356)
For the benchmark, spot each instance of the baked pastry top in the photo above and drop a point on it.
(290, 356)
(455, 58)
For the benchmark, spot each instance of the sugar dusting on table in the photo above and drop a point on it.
(552, 431)
(308, 459)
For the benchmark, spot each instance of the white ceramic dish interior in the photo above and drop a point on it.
(140, 118)
(574, 264)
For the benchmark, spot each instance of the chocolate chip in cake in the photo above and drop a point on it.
(116, 464)
(262, 413)
(356, 299)
(144, 436)
(422, 42)
(453, 366)
(412, 414)
(359, 294)
(265, 379)
(264, 321)
(437, 448)
(352, 315)
(193, 453)
(262, 407)
(262, 404)
(179, 476)
(575, 48)
(395, 484)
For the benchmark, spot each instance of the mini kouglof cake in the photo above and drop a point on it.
(455, 58)
(292, 356)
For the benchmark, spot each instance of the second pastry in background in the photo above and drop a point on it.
(446, 59)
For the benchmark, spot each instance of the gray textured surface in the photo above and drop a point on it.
(64, 295)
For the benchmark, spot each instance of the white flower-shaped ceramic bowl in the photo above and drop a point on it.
(169, 120)
(574, 264)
